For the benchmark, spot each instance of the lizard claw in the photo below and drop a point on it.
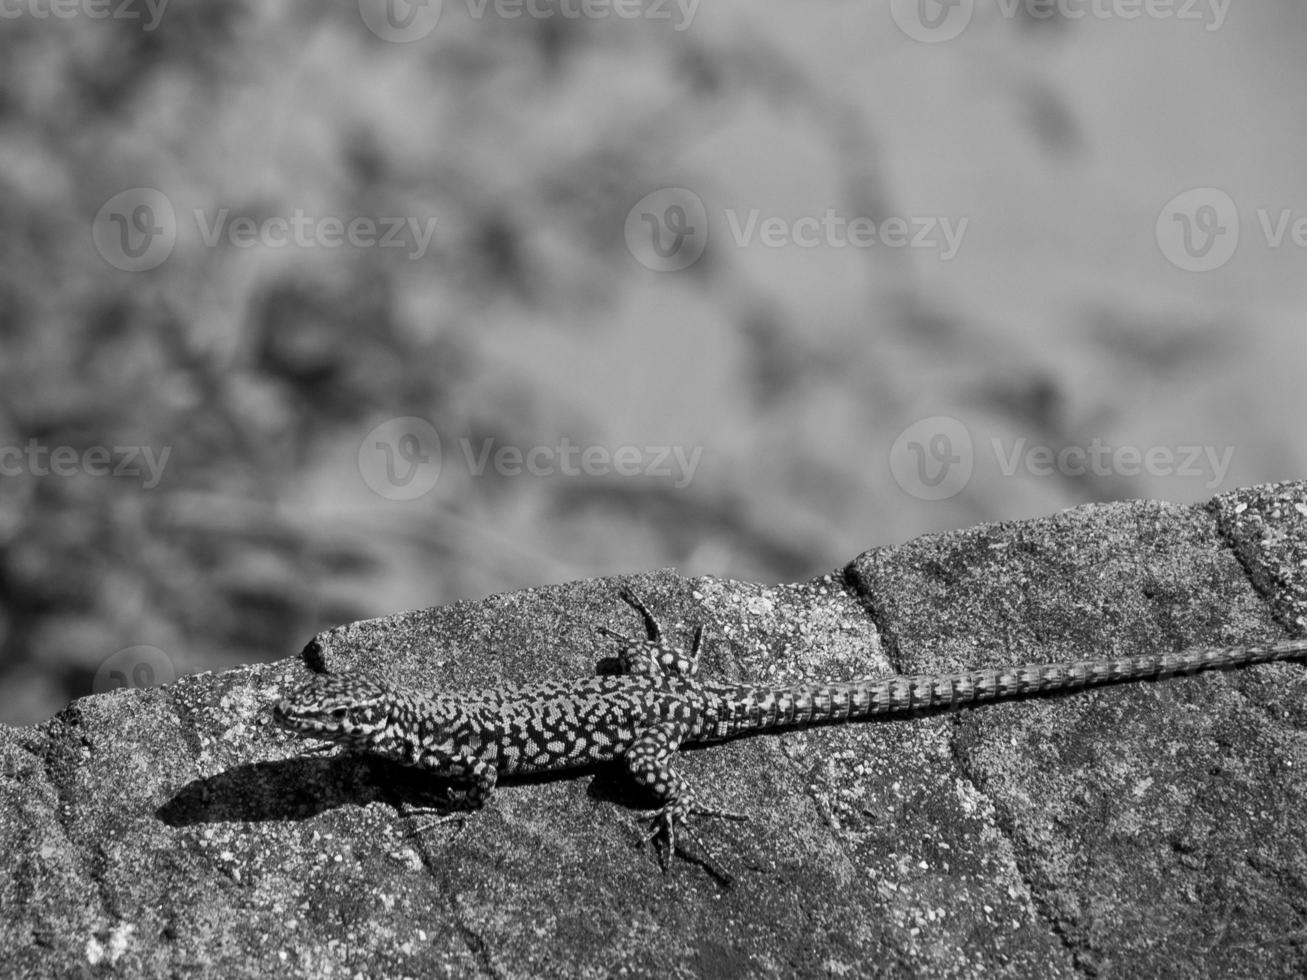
(437, 821)
(664, 824)
(455, 808)
(723, 814)
(444, 818)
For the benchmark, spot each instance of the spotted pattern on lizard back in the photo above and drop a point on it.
(653, 703)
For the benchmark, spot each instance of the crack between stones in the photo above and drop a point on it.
(854, 584)
(476, 943)
(1003, 824)
(90, 868)
(889, 642)
(1257, 579)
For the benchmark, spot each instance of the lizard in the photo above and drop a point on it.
(644, 705)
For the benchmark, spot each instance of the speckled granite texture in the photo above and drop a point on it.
(1152, 829)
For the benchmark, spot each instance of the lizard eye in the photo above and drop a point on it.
(340, 713)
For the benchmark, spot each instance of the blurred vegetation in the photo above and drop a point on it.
(261, 369)
(251, 369)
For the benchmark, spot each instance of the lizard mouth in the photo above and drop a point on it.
(283, 713)
(286, 715)
(333, 726)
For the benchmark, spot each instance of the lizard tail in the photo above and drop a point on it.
(761, 708)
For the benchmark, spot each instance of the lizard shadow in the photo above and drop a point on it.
(297, 789)
(302, 787)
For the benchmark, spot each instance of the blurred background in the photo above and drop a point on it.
(313, 312)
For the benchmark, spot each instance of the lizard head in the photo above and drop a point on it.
(354, 712)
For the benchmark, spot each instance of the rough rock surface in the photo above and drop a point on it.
(1152, 829)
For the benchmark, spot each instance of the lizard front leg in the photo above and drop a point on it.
(649, 761)
(475, 777)
(654, 656)
(654, 660)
